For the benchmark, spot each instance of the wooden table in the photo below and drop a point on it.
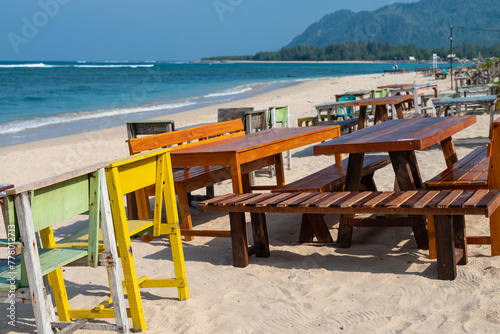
(400, 138)
(251, 152)
(395, 86)
(358, 93)
(381, 111)
(488, 102)
(415, 90)
(476, 89)
(331, 109)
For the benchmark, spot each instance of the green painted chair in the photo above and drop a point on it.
(280, 115)
(38, 208)
(376, 93)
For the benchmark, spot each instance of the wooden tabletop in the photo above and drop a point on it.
(466, 100)
(397, 135)
(251, 146)
(395, 86)
(378, 101)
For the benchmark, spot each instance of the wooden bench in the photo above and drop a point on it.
(472, 173)
(443, 204)
(195, 177)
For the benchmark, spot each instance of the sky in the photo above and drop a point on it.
(175, 30)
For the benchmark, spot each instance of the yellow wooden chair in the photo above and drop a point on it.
(38, 208)
(133, 174)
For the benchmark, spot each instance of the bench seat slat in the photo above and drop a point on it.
(437, 199)
(363, 201)
(358, 197)
(313, 199)
(464, 197)
(401, 199)
(414, 199)
(302, 197)
(449, 199)
(474, 199)
(253, 200)
(371, 203)
(330, 198)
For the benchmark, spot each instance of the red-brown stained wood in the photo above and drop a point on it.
(362, 202)
(289, 200)
(474, 199)
(326, 201)
(270, 200)
(277, 200)
(251, 199)
(339, 201)
(389, 199)
(488, 199)
(312, 199)
(371, 203)
(401, 199)
(422, 202)
(413, 199)
(438, 198)
(457, 203)
(449, 199)
(355, 199)
(302, 198)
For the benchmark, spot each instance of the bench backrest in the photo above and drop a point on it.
(59, 198)
(188, 137)
(137, 172)
(494, 154)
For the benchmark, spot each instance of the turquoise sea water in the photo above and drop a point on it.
(40, 100)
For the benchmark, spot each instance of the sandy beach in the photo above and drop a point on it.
(382, 284)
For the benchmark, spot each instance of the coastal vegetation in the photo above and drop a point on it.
(368, 51)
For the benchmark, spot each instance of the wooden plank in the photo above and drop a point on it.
(389, 199)
(410, 202)
(422, 202)
(33, 268)
(449, 199)
(358, 197)
(71, 196)
(308, 201)
(363, 201)
(215, 131)
(327, 200)
(253, 200)
(396, 202)
(438, 198)
(215, 200)
(272, 199)
(302, 198)
(114, 271)
(460, 200)
(374, 201)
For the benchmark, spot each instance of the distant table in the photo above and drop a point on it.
(488, 102)
(381, 110)
(415, 91)
(400, 138)
(395, 86)
(358, 93)
(331, 109)
(476, 89)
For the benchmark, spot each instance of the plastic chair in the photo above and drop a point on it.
(280, 115)
(38, 208)
(348, 110)
(134, 174)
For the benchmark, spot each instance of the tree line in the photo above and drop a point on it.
(362, 50)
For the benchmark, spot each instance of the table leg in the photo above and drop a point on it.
(415, 101)
(314, 225)
(450, 155)
(399, 111)
(236, 175)
(362, 117)
(280, 171)
(353, 181)
(408, 177)
(445, 247)
(239, 239)
(381, 114)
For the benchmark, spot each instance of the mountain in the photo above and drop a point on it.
(424, 24)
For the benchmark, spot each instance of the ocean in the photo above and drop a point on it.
(41, 100)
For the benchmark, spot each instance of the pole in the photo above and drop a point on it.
(451, 56)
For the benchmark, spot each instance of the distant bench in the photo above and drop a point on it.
(442, 204)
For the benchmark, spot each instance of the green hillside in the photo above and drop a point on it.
(424, 24)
